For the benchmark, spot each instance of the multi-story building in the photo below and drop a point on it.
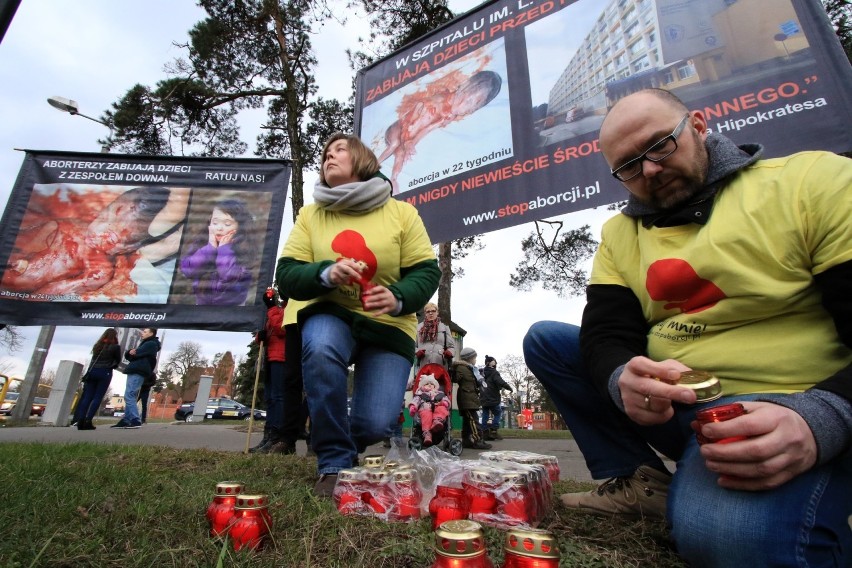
(635, 45)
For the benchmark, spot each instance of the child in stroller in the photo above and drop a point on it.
(431, 424)
(431, 406)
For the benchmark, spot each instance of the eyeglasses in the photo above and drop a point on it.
(658, 152)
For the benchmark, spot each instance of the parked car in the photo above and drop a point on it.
(39, 403)
(220, 409)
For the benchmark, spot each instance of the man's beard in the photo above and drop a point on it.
(682, 187)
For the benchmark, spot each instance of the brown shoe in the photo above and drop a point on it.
(324, 487)
(643, 494)
(281, 447)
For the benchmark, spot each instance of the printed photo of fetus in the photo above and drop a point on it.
(439, 125)
(97, 243)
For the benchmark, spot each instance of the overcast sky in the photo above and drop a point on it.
(93, 51)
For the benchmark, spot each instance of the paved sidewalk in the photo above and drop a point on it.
(226, 437)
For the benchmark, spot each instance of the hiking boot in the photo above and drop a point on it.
(642, 494)
(324, 487)
(281, 447)
(263, 442)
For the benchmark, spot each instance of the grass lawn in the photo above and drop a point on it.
(84, 504)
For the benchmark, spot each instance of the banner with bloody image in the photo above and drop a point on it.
(108, 239)
(492, 120)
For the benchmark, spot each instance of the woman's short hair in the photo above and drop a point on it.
(364, 161)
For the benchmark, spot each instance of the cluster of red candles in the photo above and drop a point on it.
(390, 493)
(497, 492)
(244, 518)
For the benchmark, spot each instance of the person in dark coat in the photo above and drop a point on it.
(467, 376)
(106, 355)
(492, 384)
(142, 360)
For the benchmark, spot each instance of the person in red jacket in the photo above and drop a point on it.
(273, 336)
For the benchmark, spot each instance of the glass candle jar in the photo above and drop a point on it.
(530, 549)
(349, 491)
(220, 512)
(406, 494)
(460, 544)
(448, 504)
(378, 496)
(515, 503)
(719, 414)
(479, 491)
(252, 523)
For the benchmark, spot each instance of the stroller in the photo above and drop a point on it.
(444, 440)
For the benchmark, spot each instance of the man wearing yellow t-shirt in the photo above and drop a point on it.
(726, 263)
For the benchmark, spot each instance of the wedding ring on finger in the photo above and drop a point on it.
(647, 402)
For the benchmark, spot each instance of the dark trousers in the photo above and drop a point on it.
(94, 391)
(470, 431)
(295, 410)
(144, 397)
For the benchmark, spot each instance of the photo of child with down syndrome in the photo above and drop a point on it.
(220, 260)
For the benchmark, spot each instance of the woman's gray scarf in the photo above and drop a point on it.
(725, 159)
(356, 198)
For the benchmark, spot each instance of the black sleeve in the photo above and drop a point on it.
(612, 332)
(502, 383)
(836, 287)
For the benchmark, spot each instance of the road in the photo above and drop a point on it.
(226, 437)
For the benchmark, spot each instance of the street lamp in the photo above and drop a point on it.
(21, 412)
(72, 108)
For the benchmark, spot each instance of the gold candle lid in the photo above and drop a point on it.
(706, 387)
(459, 539)
(349, 475)
(229, 488)
(534, 543)
(375, 475)
(252, 502)
(404, 475)
(374, 461)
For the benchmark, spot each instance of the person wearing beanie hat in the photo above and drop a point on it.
(432, 406)
(491, 399)
(468, 377)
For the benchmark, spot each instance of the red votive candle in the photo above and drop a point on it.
(719, 414)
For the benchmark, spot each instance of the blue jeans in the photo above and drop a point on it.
(94, 391)
(801, 523)
(491, 417)
(131, 396)
(328, 349)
